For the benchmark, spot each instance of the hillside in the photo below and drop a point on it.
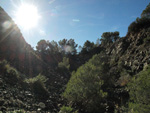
(112, 76)
(25, 63)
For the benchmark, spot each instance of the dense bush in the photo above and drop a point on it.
(10, 72)
(146, 12)
(109, 37)
(38, 84)
(139, 24)
(88, 46)
(40, 78)
(85, 86)
(66, 109)
(124, 78)
(140, 92)
(64, 64)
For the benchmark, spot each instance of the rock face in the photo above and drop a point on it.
(132, 51)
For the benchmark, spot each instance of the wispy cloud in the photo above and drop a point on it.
(133, 17)
(42, 33)
(114, 28)
(91, 24)
(75, 20)
(51, 1)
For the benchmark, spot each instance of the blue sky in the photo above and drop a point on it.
(78, 19)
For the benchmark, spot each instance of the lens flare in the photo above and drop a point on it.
(27, 16)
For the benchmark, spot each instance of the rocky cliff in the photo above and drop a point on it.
(131, 51)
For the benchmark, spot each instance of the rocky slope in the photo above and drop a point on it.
(15, 93)
(131, 51)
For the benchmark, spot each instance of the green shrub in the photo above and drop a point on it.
(85, 85)
(124, 78)
(40, 78)
(64, 64)
(12, 72)
(38, 84)
(9, 72)
(139, 93)
(66, 109)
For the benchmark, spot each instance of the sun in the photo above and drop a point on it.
(27, 16)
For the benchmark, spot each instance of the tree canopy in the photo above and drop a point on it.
(68, 46)
(139, 92)
(109, 37)
(41, 45)
(146, 12)
(87, 46)
(85, 85)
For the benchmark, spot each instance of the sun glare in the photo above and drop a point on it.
(27, 16)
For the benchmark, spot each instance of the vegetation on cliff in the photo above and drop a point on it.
(109, 76)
